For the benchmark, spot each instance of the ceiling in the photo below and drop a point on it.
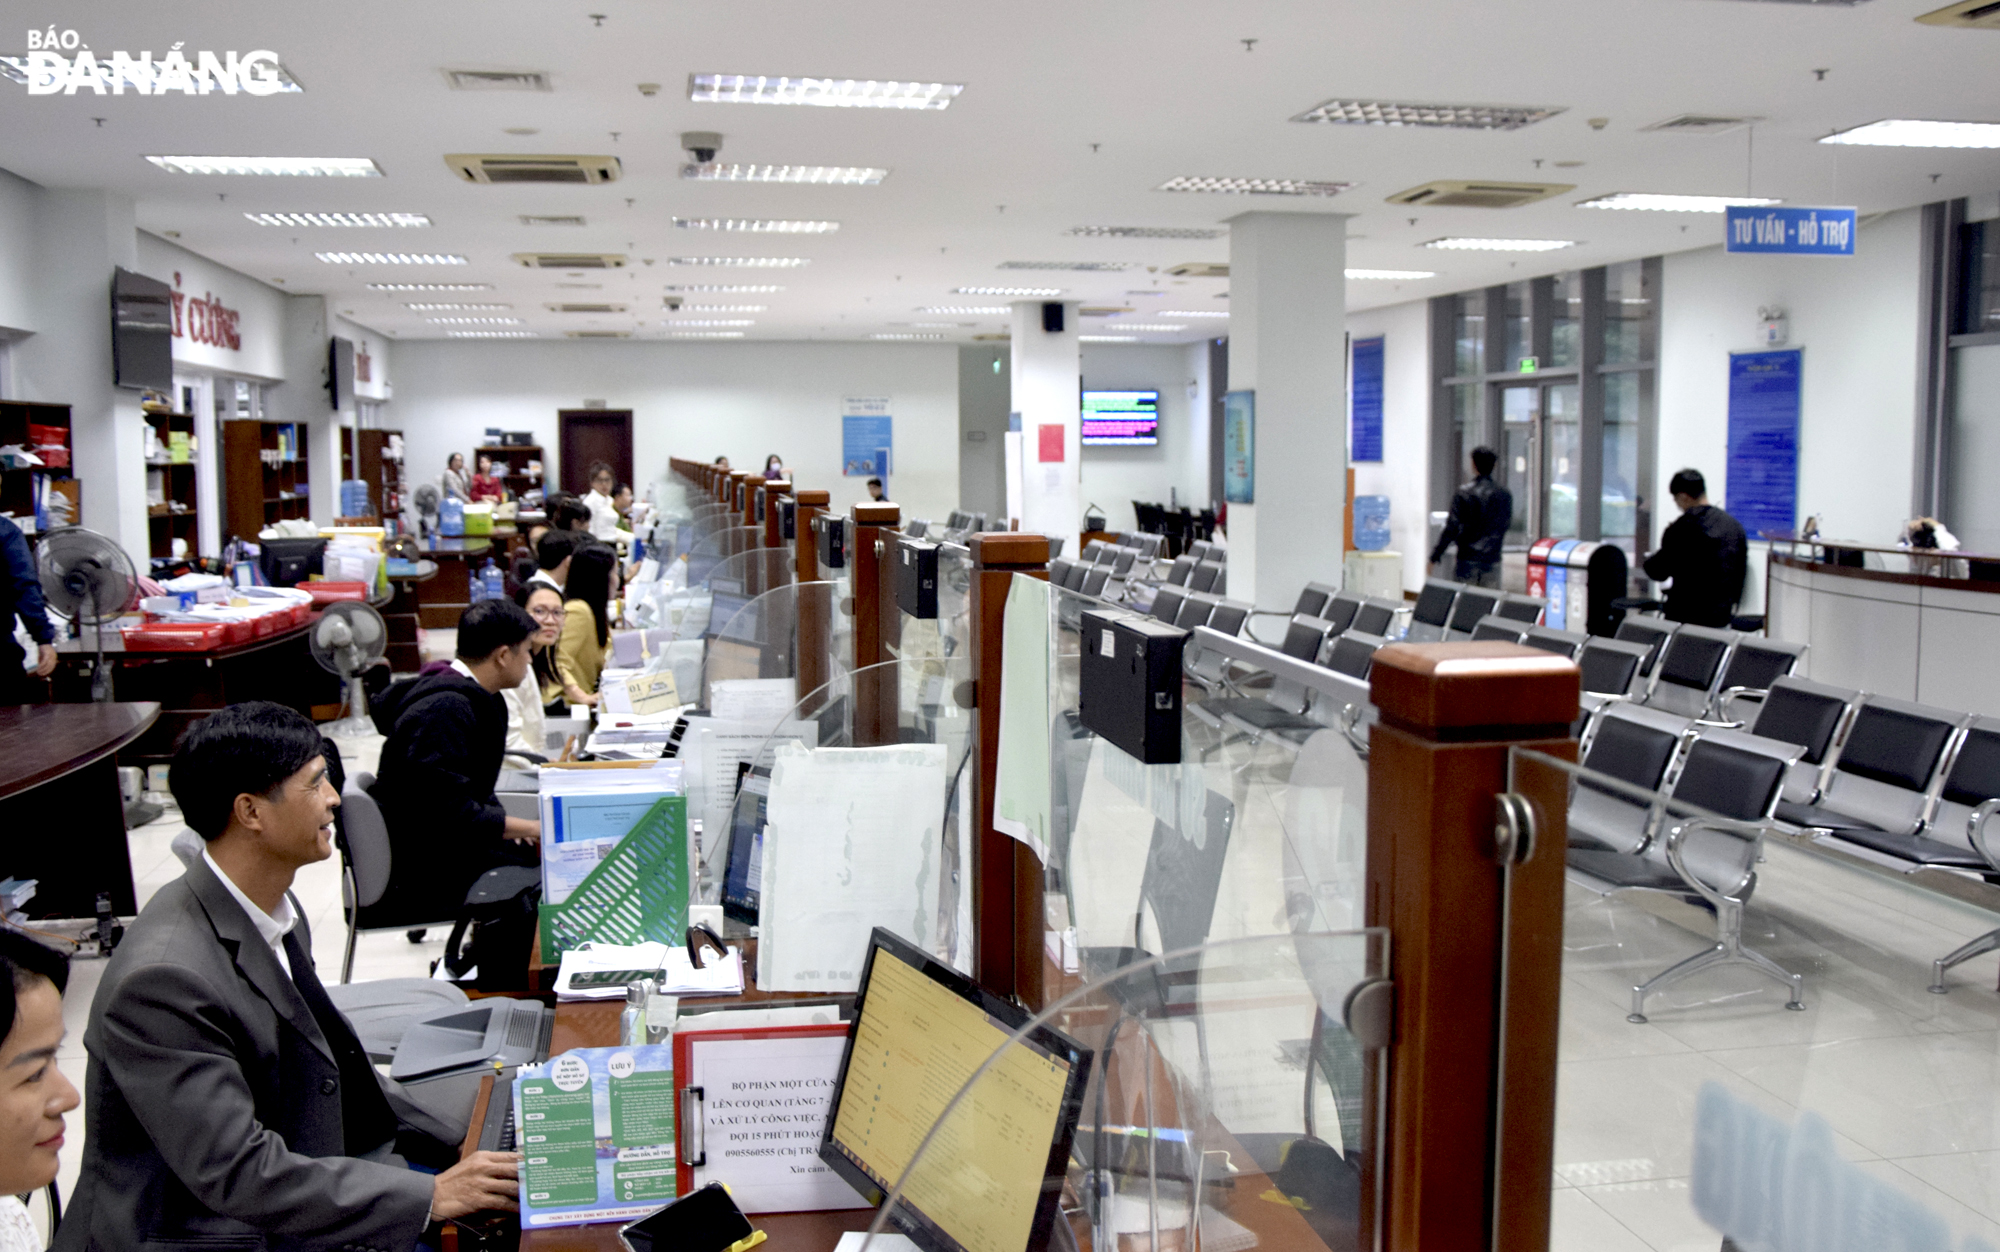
(1072, 114)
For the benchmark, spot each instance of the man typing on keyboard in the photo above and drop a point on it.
(227, 1102)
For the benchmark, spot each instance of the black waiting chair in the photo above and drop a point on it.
(1375, 616)
(1209, 577)
(1875, 795)
(1636, 746)
(1965, 807)
(1690, 669)
(1285, 698)
(1472, 604)
(1494, 628)
(1811, 717)
(1094, 579)
(1340, 609)
(1650, 631)
(1564, 643)
(1206, 667)
(1524, 609)
(1182, 571)
(1167, 604)
(1432, 611)
(1754, 664)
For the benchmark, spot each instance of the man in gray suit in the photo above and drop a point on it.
(227, 1102)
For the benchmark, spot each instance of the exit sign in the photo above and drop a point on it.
(1529, 364)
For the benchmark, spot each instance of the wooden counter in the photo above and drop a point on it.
(440, 600)
(60, 806)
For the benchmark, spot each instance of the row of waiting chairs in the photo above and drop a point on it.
(1446, 611)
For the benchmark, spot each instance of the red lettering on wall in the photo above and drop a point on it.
(206, 320)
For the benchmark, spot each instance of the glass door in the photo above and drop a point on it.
(1541, 459)
(1562, 467)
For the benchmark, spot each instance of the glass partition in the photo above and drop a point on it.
(717, 546)
(948, 636)
(762, 636)
(1225, 1102)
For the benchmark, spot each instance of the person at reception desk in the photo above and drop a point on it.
(586, 628)
(447, 732)
(21, 597)
(527, 703)
(484, 485)
(722, 463)
(1704, 552)
(34, 1094)
(231, 1105)
(603, 512)
(875, 492)
(552, 555)
(1481, 511)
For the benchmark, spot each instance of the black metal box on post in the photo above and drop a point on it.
(917, 577)
(832, 532)
(1129, 683)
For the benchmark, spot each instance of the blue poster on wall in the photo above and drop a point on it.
(866, 437)
(1763, 462)
(1801, 230)
(1365, 425)
(1239, 447)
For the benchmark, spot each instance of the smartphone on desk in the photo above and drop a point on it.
(704, 1220)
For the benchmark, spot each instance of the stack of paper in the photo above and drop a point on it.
(585, 812)
(600, 971)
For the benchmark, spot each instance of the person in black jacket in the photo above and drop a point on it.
(1704, 552)
(447, 732)
(21, 596)
(1481, 511)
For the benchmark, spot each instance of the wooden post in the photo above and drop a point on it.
(1008, 912)
(776, 557)
(746, 498)
(869, 575)
(1437, 759)
(815, 602)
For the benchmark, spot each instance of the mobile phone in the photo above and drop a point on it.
(610, 977)
(705, 1220)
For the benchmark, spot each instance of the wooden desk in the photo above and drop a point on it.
(440, 600)
(402, 616)
(60, 806)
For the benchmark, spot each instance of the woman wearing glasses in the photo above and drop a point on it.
(527, 741)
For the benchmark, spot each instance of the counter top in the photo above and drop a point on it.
(41, 742)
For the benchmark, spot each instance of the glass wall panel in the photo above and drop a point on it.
(1565, 321)
(1520, 324)
(1565, 459)
(1469, 334)
(1466, 420)
(1973, 443)
(1621, 455)
(1979, 253)
(1629, 322)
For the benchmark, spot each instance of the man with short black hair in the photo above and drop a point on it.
(229, 1102)
(552, 553)
(875, 494)
(447, 733)
(1481, 512)
(1704, 552)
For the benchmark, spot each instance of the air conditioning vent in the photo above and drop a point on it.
(585, 308)
(1973, 14)
(497, 80)
(1200, 269)
(571, 260)
(1101, 310)
(992, 337)
(1700, 123)
(479, 167)
(1083, 267)
(558, 219)
(1460, 194)
(598, 334)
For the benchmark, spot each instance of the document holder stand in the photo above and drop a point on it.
(637, 894)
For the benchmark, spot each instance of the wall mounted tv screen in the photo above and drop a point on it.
(142, 332)
(1121, 418)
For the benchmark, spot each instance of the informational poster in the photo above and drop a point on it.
(1239, 447)
(596, 1134)
(867, 440)
(1800, 230)
(1763, 460)
(1021, 786)
(1365, 401)
(1049, 442)
(756, 1103)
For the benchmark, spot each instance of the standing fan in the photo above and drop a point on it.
(88, 578)
(348, 638)
(429, 501)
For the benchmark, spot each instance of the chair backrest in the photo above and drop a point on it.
(1524, 609)
(1884, 769)
(1167, 604)
(1561, 642)
(1339, 609)
(1229, 616)
(1205, 574)
(1149, 545)
(1090, 550)
(1758, 662)
(1497, 629)
(1609, 666)
(1374, 616)
(1727, 776)
(1473, 603)
(1689, 669)
(1094, 579)
(1200, 549)
(1312, 598)
(1803, 713)
(367, 840)
(1634, 745)
(1651, 631)
(1195, 611)
(1973, 779)
(1106, 553)
(1059, 571)
(1304, 637)
(1353, 654)
(1122, 561)
(1433, 606)
(1182, 571)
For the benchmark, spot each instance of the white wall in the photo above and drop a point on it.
(1403, 473)
(695, 400)
(17, 254)
(1114, 477)
(260, 310)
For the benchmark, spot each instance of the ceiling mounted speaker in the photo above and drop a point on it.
(1052, 317)
(478, 167)
(1467, 194)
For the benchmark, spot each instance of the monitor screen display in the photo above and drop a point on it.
(1121, 418)
(142, 332)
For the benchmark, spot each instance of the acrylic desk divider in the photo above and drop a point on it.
(638, 893)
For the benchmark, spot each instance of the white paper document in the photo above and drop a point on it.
(761, 701)
(667, 962)
(713, 750)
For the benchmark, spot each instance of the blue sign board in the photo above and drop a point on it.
(1802, 231)
(1365, 432)
(865, 445)
(1239, 447)
(1763, 460)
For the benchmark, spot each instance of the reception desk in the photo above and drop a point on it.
(1916, 627)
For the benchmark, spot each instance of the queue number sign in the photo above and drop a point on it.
(1798, 230)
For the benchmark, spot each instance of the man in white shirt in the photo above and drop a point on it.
(228, 1101)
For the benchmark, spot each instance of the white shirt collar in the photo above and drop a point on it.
(462, 668)
(271, 929)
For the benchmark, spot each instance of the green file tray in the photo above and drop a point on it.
(637, 894)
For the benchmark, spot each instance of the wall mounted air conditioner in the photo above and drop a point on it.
(514, 167)
(1473, 194)
(571, 260)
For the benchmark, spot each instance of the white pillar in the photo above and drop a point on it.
(1287, 336)
(1047, 382)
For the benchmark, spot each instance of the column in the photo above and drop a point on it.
(1287, 344)
(1047, 379)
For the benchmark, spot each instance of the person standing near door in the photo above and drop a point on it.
(603, 512)
(21, 596)
(1481, 511)
(1704, 552)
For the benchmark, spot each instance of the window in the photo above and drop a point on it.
(1979, 278)
(1520, 325)
(1565, 314)
(1469, 334)
(1628, 314)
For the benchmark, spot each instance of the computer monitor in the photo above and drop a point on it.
(921, 1030)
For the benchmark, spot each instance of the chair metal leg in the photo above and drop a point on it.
(1728, 950)
(353, 924)
(1978, 947)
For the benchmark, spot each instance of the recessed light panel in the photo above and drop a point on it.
(717, 288)
(1448, 116)
(1671, 203)
(1107, 338)
(1007, 291)
(968, 310)
(552, 219)
(902, 335)
(1147, 232)
(1193, 313)
(1150, 327)
(489, 334)
(1911, 133)
(1085, 267)
(390, 258)
(712, 321)
(757, 225)
(706, 334)
(338, 219)
(474, 321)
(1388, 275)
(756, 262)
(293, 167)
(836, 175)
(826, 93)
(725, 308)
(458, 308)
(1254, 186)
(430, 286)
(1500, 245)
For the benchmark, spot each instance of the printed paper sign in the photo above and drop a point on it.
(596, 1131)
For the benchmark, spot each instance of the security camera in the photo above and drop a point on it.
(649, 89)
(672, 303)
(702, 145)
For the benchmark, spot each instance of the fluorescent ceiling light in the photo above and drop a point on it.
(1671, 203)
(767, 226)
(390, 258)
(458, 308)
(940, 325)
(758, 262)
(904, 336)
(712, 321)
(430, 286)
(339, 219)
(725, 308)
(968, 310)
(1450, 116)
(828, 93)
(1500, 245)
(1910, 133)
(1388, 275)
(1107, 338)
(474, 321)
(725, 287)
(1006, 291)
(1148, 326)
(706, 334)
(1147, 232)
(296, 167)
(490, 334)
(1192, 313)
(1083, 267)
(841, 175)
(1253, 186)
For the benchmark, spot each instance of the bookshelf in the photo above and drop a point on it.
(516, 457)
(170, 485)
(264, 475)
(44, 429)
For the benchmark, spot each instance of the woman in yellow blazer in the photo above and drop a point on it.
(586, 632)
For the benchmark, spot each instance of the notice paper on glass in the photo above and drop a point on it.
(596, 1134)
(1021, 787)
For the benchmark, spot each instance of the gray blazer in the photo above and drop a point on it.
(212, 1101)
